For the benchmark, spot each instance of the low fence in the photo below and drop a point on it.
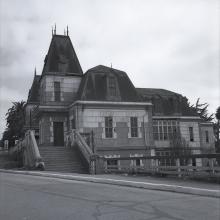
(150, 165)
(3, 151)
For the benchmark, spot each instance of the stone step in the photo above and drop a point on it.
(62, 159)
(70, 171)
(55, 163)
(58, 155)
(58, 152)
(62, 165)
(55, 150)
(63, 168)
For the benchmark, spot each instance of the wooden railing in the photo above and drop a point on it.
(180, 171)
(31, 155)
(150, 166)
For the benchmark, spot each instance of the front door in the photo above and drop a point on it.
(58, 133)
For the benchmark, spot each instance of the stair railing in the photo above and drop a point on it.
(83, 146)
(32, 158)
(76, 139)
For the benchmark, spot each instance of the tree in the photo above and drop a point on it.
(202, 110)
(216, 128)
(217, 114)
(15, 119)
(180, 148)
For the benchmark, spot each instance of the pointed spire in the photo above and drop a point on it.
(52, 30)
(111, 65)
(55, 29)
(64, 32)
(67, 31)
(35, 71)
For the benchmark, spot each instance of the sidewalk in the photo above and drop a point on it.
(143, 182)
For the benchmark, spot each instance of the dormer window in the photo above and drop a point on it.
(134, 126)
(112, 86)
(57, 91)
(191, 135)
(207, 136)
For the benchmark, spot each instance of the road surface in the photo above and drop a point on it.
(25, 197)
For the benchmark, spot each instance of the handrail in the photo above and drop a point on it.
(75, 138)
(83, 146)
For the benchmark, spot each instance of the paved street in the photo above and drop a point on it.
(25, 197)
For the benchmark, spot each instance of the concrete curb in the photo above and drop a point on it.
(128, 183)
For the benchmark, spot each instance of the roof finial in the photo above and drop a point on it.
(64, 32)
(35, 71)
(55, 29)
(111, 65)
(52, 30)
(67, 31)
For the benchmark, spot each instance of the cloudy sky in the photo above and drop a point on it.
(166, 44)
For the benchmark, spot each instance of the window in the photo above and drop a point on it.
(191, 136)
(138, 162)
(112, 162)
(166, 161)
(207, 136)
(112, 86)
(57, 91)
(134, 126)
(108, 127)
(73, 122)
(155, 130)
(165, 129)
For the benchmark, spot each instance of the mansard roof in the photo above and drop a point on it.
(61, 57)
(151, 92)
(166, 102)
(33, 95)
(95, 86)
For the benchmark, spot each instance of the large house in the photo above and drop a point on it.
(123, 120)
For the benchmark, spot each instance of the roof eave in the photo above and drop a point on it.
(111, 103)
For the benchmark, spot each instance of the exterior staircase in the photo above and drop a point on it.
(62, 159)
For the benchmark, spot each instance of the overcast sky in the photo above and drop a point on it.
(166, 44)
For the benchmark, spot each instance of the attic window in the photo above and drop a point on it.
(134, 126)
(207, 136)
(112, 86)
(57, 91)
(191, 135)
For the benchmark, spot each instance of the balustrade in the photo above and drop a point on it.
(31, 155)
